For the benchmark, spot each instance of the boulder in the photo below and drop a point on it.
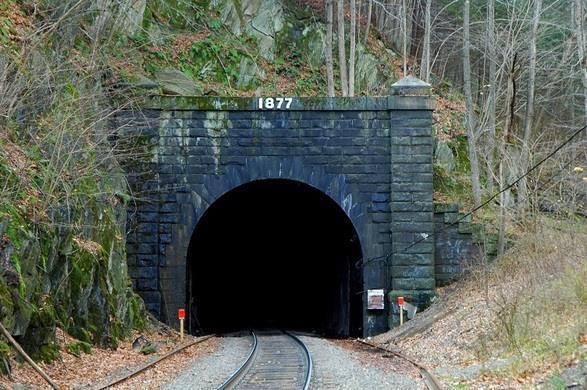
(143, 82)
(132, 12)
(443, 155)
(314, 44)
(367, 75)
(175, 82)
(249, 74)
(261, 19)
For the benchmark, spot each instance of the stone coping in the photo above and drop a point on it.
(215, 103)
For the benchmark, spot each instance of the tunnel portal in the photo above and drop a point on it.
(371, 156)
(275, 253)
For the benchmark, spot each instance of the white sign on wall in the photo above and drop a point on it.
(375, 299)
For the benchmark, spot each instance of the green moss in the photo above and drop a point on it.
(6, 305)
(80, 333)
(4, 358)
(136, 311)
(78, 347)
(47, 353)
(148, 348)
(176, 13)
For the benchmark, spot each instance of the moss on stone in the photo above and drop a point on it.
(76, 348)
(4, 358)
(47, 353)
(74, 278)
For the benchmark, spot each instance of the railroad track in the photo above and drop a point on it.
(277, 360)
(145, 367)
(430, 380)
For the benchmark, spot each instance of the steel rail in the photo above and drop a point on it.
(431, 382)
(242, 375)
(308, 358)
(149, 365)
(236, 376)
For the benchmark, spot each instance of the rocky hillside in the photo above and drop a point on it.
(248, 47)
(66, 67)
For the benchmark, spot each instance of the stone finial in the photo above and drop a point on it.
(410, 86)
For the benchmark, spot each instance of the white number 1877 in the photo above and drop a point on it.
(275, 103)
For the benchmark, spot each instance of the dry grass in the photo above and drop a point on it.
(538, 298)
(102, 365)
(529, 309)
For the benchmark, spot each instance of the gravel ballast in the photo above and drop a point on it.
(210, 371)
(338, 368)
(335, 367)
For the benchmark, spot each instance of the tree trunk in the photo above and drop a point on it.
(510, 99)
(471, 133)
(581, 43)
(341, 48)
(369, 13)
(425, 63)
(359, 15)
(329, 62)
(353, 48)
(523, 189)
(405, 36)
(491, 93)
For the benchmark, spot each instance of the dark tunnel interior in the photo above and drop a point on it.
(275, 254)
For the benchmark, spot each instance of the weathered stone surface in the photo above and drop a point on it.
(261, 19)
(249, 74)
(454, 246)
(60, 271)
(372, 156)
(367, 75)
(443, 155)
(314, 40)
(411, 86)
(132, 12)
(175, 82)
(144, 82)
(128, 17)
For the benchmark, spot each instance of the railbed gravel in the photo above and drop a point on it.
(210, 371)
(336, 368)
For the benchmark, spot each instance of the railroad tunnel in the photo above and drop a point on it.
(275, 254)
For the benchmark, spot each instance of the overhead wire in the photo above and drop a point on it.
(387, 256)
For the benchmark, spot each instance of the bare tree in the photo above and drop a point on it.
(329, 62)
(581, 43)
(491, 92)
(352, 49)
(344, 84)
(509, 112)
(405, 36)
(359, 12)
(369, 14)
(471, 132)
(425, 63)
(523, 189)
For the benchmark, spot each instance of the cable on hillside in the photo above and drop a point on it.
(474, 210)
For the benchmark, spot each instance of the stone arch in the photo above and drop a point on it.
(264, 167)
(275, 253)
(194, 204)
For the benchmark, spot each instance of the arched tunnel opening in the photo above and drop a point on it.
(275, 254)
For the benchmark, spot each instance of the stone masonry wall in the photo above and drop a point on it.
(453, 243)
(372, 156)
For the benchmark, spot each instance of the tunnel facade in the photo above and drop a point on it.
(318, 201)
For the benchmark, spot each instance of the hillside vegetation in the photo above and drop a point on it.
(515, 323)
(66, 67)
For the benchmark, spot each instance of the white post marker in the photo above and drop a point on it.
(181, 316)
(400, 303)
